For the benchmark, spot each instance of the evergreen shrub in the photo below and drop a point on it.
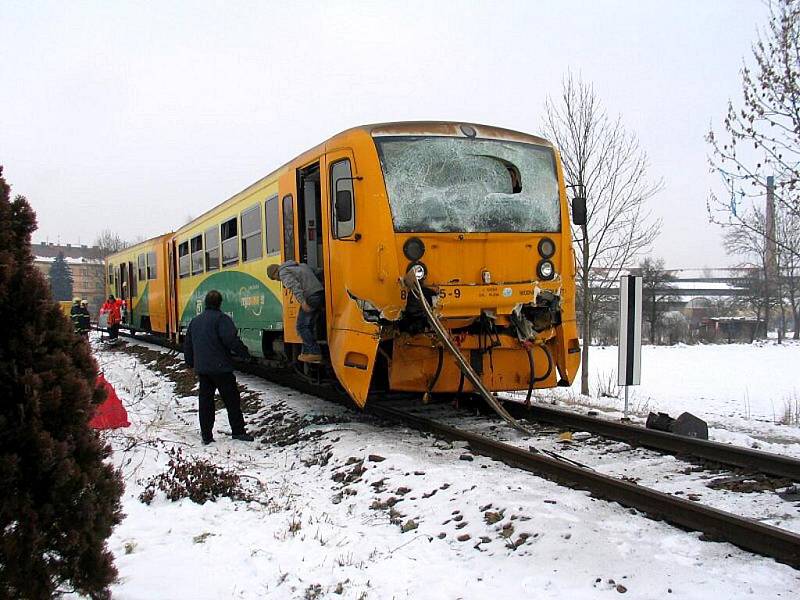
(59, 498)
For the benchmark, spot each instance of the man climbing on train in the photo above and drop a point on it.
(210, 344)
(308, 291)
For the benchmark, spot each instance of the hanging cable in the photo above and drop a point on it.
(440, 361)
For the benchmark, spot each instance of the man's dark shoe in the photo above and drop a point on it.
(207, 441)
(243, 437)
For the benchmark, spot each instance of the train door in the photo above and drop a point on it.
(352, 341)
(118, 281)
(287, 191)
(172, 292)
(309, 215)
(122, 287)
(128, 292)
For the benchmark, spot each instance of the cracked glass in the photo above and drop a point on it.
(445, 184)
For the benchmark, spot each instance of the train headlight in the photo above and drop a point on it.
(418, 269)
(413, 248)
(546, 248)
(546, 270)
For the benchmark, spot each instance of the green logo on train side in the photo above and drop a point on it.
(248, 301)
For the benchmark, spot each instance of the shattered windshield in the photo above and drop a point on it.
(446, 184)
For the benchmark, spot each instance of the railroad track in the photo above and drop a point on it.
(715, 524)
(661, 441)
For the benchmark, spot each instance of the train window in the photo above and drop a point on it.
(110, 274)
(288, 228)
(134, 290)
(251, 234)
(343, 222)
(212, 249)
(197, 254)
(140, 263)
(230, 242)
(151, 265)
(271, 216)
(183, 259)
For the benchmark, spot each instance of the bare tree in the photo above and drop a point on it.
(606, 163)
(748, 242)
(109, 242)
(606, 329)
(774, 278)
(676, 326)
(787, 229)
(762, 137)
(657, 293)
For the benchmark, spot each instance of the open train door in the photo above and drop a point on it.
(352, 341)
(287, 191)
(124, 291)
(129, 292)
(172, 291)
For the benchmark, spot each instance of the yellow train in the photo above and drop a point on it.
(477, 214)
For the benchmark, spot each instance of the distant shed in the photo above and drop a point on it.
(728, 329)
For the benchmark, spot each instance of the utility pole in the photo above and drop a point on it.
(770, 255)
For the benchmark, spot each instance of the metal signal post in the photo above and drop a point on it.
(629, 367)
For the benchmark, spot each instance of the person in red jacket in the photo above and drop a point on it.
(111, 308)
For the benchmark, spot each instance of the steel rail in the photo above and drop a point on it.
(717, 525)
(727, 454)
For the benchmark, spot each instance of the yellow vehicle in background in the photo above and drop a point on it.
(66, 307)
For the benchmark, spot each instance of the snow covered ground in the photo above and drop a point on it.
(743, 390)
(751, 381)
(352, 508)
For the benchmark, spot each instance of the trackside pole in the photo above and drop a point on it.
(625, 414)
(629, 367)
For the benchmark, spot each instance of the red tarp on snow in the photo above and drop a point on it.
(110, 414)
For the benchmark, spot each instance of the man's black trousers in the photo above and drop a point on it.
(229, 390)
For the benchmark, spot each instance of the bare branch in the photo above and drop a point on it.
(601, 157)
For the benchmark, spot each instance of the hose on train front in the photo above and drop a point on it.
(549, 363)
(439, 363)
(532, 380)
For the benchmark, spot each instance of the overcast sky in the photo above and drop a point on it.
(134, 116)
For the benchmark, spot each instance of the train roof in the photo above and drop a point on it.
(451, 129)
(399, 128)
(139, 245)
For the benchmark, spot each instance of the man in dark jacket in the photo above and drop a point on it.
(75, 315)
(84, 319)
(211, 341)
(309, 293)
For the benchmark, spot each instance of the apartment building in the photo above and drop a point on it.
(85, 264)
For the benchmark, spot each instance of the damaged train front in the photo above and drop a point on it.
(482, 223)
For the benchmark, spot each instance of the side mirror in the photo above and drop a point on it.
(579, 210)
(344, 206)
